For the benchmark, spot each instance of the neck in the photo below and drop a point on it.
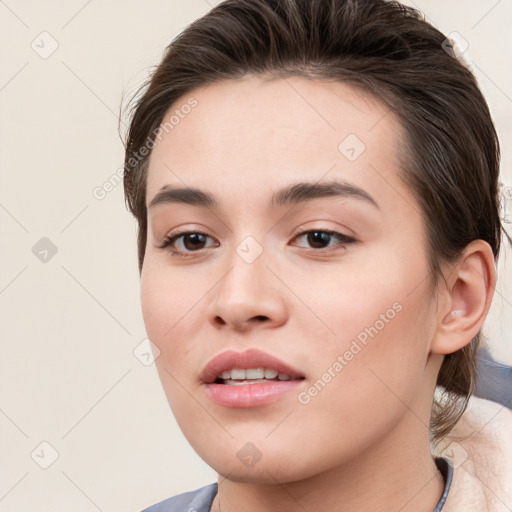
(397, 474)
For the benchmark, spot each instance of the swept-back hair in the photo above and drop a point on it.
(450, 155)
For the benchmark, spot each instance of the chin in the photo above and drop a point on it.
(260, 474)
(249, 465)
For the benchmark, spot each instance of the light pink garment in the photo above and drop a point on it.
(480, 448)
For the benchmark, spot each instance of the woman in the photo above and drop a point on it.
(316, 187)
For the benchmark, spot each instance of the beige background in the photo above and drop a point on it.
(70, 324)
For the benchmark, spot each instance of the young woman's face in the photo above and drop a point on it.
(332, 283)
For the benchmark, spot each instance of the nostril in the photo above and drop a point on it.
(243, 325)
(220, 321)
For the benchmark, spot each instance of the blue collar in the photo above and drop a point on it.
(446, 468)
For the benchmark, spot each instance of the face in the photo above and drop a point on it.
(325, 284)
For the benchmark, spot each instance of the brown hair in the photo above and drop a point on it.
(451, 157)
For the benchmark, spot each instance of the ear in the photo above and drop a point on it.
(466, 299)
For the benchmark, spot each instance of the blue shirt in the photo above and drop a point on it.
(201, 499)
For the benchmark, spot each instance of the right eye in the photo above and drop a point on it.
(191, 241)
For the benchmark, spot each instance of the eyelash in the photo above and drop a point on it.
(168, 241)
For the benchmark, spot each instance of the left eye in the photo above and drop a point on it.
(320, 237)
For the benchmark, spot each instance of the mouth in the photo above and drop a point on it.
(241, 376)
(231, 367)
(248, 379)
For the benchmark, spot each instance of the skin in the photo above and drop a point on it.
(362, 442)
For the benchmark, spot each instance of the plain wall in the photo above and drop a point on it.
(70, 323)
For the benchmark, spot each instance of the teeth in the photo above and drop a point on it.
(237, 374)
(270, 374)
(255, 373)
(252, 374)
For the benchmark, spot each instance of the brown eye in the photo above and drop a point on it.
(320, 238)
(184, 243)
(193, 241)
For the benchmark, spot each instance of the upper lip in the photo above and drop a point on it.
(252, 358)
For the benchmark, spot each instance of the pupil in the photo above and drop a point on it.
(195, 238)
(318, 237)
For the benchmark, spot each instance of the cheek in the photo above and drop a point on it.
(362, 298)
(380, 327)
(170, 306)
(367, 381)
(171, 302)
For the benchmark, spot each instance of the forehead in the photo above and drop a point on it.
(256, 133)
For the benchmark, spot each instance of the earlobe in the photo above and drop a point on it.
(470, 290)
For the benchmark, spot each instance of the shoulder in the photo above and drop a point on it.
(199, 500)
(480, 448)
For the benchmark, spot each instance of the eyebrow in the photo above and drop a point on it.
(292, 194)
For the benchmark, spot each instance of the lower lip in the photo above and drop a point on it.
(250, 395)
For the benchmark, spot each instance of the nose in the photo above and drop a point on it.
(249, 295)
